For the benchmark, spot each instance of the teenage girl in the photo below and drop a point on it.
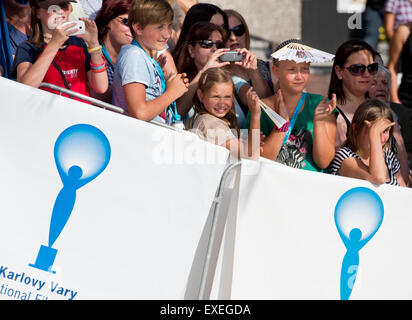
(306, 141)
(367, 152)
(215, 118)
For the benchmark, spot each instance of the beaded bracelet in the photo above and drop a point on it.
(95, 49)
(283, 128)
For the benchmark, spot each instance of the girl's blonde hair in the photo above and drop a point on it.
(208, 79)
(370, 110)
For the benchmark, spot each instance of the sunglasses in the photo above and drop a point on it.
(238, 31)
(359, 69)
(207, 44)
(124, 21)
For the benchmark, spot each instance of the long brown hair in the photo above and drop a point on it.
(199, 31)
(370, 110)
(231, 12)
(208, 79)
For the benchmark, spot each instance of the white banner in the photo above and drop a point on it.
(290, 233)
(97, 205)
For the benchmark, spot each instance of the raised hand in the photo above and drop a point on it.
(324, 108)
(91, 33)
(61, 33)
(214, 61)
(253, 102)
(378, 127)
(249, 61)
(178, 84)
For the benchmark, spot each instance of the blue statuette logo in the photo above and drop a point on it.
(358, 216)
(81, 153)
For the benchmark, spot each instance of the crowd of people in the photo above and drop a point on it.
(166, 61)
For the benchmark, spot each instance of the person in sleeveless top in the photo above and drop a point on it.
(352, 74)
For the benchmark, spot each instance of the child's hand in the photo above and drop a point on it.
(178, 84)
(91, 33)
(379, 126)
(253, 102)
(324, 108)
(61, 34)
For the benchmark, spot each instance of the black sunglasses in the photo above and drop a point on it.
(124, 21)
(207, 44)
(238, 31)
(359, 69)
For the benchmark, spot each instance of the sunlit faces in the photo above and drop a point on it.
(201, 55)
(236, 41)
(292, 76)
(218, 100)
(357, 85)
(153, 36)
(379, 88)
(119, 31)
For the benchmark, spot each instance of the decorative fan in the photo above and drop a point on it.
(299, 52)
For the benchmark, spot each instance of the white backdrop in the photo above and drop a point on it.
(141, 228)
(287, 245)
(133, 231)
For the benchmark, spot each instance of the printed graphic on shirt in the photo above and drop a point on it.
(294, 151)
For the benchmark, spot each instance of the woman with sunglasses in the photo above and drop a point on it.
(239, 37)
(352, 74)
(114, 32)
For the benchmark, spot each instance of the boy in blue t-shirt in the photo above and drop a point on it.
(139, 85)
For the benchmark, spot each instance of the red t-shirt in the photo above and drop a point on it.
(73, 60)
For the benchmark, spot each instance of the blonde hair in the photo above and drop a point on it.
(208, 79)
(370, 110)
(146, 12)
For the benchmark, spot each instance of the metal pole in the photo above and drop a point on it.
(211, 244)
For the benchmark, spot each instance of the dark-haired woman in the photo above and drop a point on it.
(52, 55)
(197, 13)
(114, 32)
(352, 75)
(204, 44)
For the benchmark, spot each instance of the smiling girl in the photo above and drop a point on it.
(215, 119)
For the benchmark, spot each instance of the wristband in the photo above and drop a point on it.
(95, 49)
(283, 128)
(102, 69)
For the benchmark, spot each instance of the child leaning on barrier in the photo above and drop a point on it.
(215, 118)
(54, 56)
(367, 153)
(139, 85)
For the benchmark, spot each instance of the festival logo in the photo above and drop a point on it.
(81, 153)
(358, 216)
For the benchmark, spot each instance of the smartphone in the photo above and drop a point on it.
(79, 25)
(231, 56)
